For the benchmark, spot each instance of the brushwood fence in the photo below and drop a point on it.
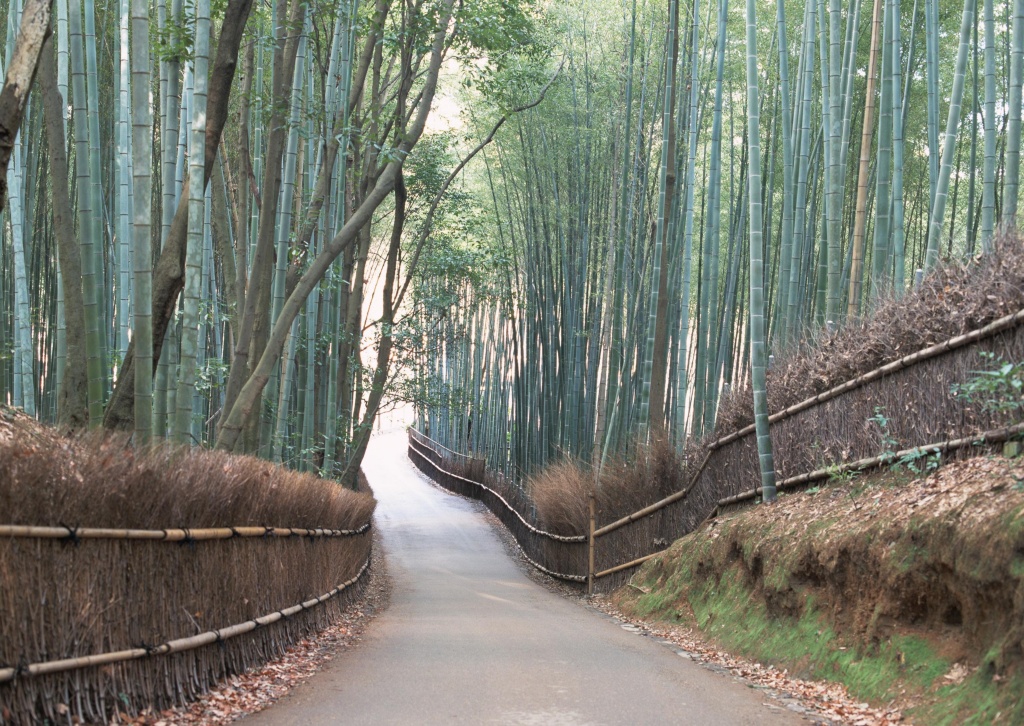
(563, 557)
(904, 410)
(100, 621)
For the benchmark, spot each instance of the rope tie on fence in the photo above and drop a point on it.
(72, 537)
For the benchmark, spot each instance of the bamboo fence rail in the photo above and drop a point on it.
(656, 507)
(171, 535)
(178, 645)
(988, 437)
(435, 445)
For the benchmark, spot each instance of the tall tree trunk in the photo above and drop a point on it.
(33, 32)
(169, 271)
(255, 322)
(652, 401)
(190, 323)
(1011, 183)
(863, 172)
(988, 184)
(92, 285)
(72, 401)
(380, 373)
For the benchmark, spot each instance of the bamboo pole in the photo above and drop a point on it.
(171, 535)
(590, 548)
(178, 645)
(627, 565)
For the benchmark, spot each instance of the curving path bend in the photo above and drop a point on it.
(469, 639)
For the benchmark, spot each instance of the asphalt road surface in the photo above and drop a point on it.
(469, 639)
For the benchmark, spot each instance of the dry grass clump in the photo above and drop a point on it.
(956, 298)
(561, 490)
(100, 481)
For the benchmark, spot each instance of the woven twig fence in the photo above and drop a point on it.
(98, 621)
(829, 432)
(179, 645)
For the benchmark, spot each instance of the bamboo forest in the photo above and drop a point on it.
(555, 228)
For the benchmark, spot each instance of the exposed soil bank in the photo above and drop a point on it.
(909, 591)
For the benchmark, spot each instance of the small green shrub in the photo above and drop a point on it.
(998, 390)
(889, 442)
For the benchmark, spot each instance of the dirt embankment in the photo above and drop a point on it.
(908, 590)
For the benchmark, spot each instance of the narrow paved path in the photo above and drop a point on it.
(470, 639)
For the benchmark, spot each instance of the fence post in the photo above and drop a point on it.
(590, 547)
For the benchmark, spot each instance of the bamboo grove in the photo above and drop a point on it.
(707, 185)
(207, 213)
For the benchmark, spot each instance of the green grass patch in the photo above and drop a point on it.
(729, 612)
(977, 701)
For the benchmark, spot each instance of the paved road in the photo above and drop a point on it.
(470, 639)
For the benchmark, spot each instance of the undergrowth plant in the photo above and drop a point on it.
(997, 390)
(920, 461)
(889, 442)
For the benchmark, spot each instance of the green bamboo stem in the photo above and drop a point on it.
(758, 353)
(949, 142)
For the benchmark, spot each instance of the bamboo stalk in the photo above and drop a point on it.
(994, 436)
(171, 535)
(174, 646)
